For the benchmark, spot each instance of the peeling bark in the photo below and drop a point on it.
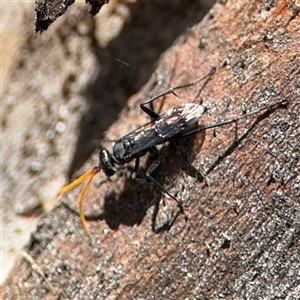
(48, 11)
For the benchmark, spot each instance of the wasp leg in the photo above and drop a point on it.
(153, 115)
(154, 153)
(136, 169)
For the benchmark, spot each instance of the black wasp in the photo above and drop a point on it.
(178, 122)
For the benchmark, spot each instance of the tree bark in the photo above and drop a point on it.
(241, 239)
(48, 11)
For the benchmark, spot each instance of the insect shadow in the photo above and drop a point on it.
(177, 123)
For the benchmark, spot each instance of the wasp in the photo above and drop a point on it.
(176, 123)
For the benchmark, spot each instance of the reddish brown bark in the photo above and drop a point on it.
(242, 236)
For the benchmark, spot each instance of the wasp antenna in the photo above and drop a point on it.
(92, 173)
(74, 183)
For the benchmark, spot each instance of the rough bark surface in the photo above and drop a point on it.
(242, 239)
(56, 87)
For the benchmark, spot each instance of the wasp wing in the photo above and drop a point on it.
(173, 124)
